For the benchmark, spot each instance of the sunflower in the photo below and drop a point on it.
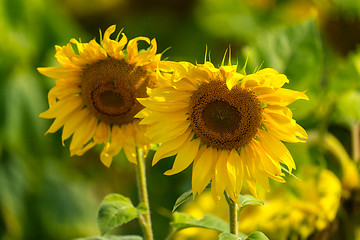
(94, 97)
(230, 126)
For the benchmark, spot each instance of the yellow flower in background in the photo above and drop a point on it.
(292, 211)
(94, 99)
(229, 125)
(198, 208)
(310, 207)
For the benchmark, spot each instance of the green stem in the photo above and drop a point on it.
(355, 130)
(233, 214)
(171, 234)
(145, 219)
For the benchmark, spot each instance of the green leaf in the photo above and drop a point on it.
(182, 199)
(257, 236)
(112, 237)
(116, 210)
(290, 173)
(228, 236)
(297, 52)
(345, 74)
(182, 221)
(249, 200)
(349, 106)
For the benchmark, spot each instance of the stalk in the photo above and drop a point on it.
(233, 214)
(145, 219)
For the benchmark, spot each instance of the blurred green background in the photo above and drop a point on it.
(46, 194)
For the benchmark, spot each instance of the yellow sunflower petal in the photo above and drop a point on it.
(102, 133)
(248, 83)
(62, 106)
(105, 158)
(163, 132)
(163, 78)
(263, 180)
(232, 193)
(68, 82)
(267, 71)
(247, 154)
(61, 92)
(167, 94)
(113, 48)
(132, 48)
(145, 58)
(74, 120)
(236, 172)
(62, 116)
(83, 134)
(163, 106)
(274, 79)
(170, 148)
(112, 148)
(263, 89)
(233, 80)
(276, 148)
(82, 150)
(129, 131)
(185, 156)
(202, 171)
(269, 165)
(221, 177)
(96, 51)
(154, 117)
(143, 114)
(59, 72)
(284, 129)
(232, 171)
(130, 152)
(282, 97)
(64, 56)
(185, 85)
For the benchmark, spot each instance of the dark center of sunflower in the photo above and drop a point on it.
(111, 99)
(110, 88)
(223, 118)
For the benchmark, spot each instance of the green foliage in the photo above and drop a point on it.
(247, 199)
(288, 172)
(182, 199)
(182, 221)
(228, 236)
(257, 236)
(252, 236)
(345, 74)
(46, 194)
(116, 210)
(112, 237)
(349, 106)
(295, 51)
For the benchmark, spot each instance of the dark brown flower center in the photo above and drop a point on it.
(223, 118)
(110, 88)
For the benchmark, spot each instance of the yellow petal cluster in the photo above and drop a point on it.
(296, 210)
(167, 110)
(66, 99)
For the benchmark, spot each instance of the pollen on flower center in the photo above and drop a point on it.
(221, 117)
(224, 118)
(112, 99)
(110, 88)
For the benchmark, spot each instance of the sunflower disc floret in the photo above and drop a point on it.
(230, 126)
(94, 98)
(223, 118)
